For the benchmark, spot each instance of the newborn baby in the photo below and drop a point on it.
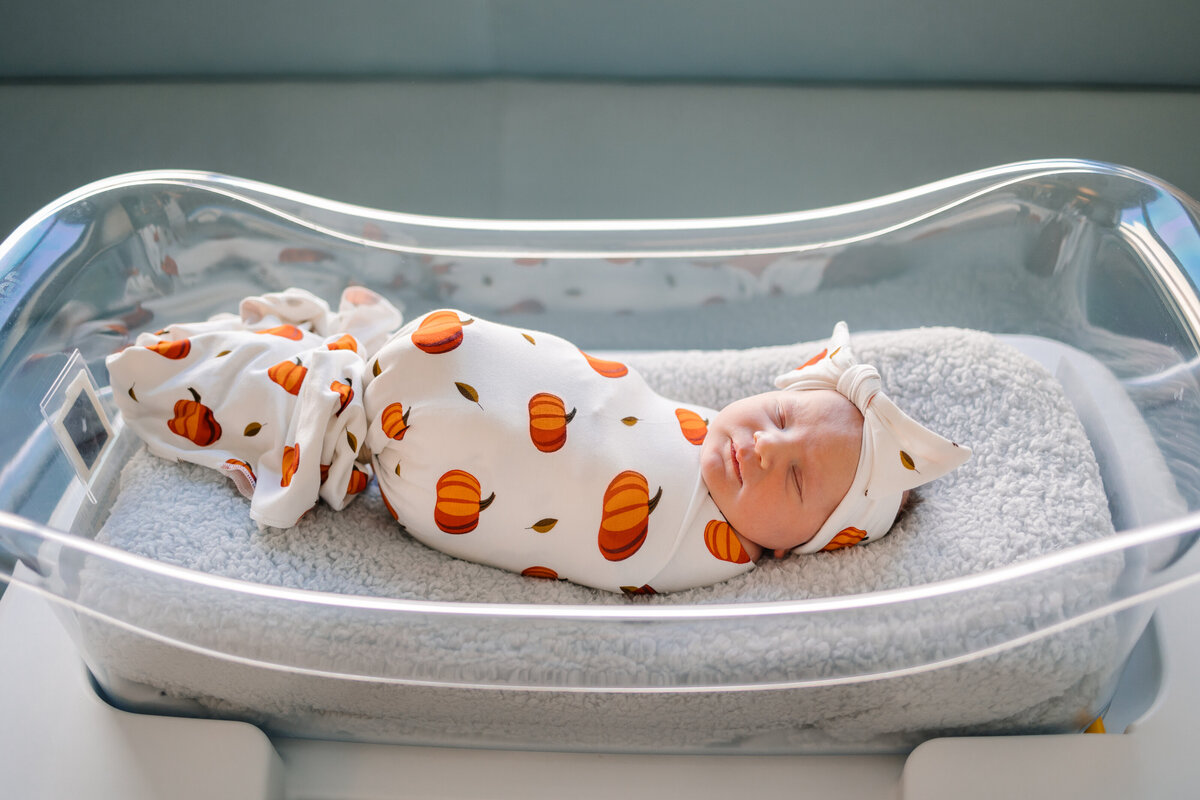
(514, 448)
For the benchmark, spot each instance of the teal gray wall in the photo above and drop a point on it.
(598, 109)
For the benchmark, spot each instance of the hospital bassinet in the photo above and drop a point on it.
(1087, 259)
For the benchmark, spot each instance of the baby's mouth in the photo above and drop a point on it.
(737, 467)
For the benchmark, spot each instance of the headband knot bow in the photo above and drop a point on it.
(897, 454)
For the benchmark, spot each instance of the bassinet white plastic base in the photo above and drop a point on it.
(71, 744)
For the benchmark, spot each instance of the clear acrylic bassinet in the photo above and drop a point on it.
(1099, 258)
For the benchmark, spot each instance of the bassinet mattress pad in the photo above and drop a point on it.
(1033, 487)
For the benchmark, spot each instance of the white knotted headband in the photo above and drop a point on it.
(898, 453)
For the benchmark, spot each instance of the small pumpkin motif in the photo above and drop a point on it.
(814, 359)
(440, 332)
(243, 468)
(344, 342)
(388, 505)
(540, 572)
(609, 369)
(358, 481)
(548, 420)
(174, 350)
(394, 420)
(635, 591)
(289, 375)
(285, 331)
(847, 537)
(625, 518)
(194, 421)
(291, 463)
(722, 541)
(345, 392)
(302, 255)
(458, 502)
(692, 425)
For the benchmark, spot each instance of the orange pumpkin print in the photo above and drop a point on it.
(194, 421)
(634, 591)
(174, 350)
(847, 537)
(291, 462)
(458, 502)
(302, 255)
(609, 369)
(548, 422)
(289, 375)
(394, 420)
(244, 468)
(388, 505)
(343, 391)
(325, 472)
(358, 481)
(722, 541)
(625, 518)
(540, 572)
(286, 331)
(344, 342)
(814, 359)
(692, 425)
(440, 332)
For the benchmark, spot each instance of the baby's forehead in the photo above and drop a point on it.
(825, 405)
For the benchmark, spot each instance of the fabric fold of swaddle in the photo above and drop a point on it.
(271, 397)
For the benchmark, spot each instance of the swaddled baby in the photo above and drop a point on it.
(514, 448)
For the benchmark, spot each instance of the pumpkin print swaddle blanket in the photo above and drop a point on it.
(271, 396)
(501, 446)
(514, 448)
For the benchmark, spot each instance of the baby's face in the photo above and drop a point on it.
(777, 464)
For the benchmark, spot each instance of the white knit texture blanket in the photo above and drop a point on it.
(1032, 488)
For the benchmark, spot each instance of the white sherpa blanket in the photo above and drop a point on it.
(1032, 488)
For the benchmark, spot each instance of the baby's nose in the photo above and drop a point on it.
(766, 444)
